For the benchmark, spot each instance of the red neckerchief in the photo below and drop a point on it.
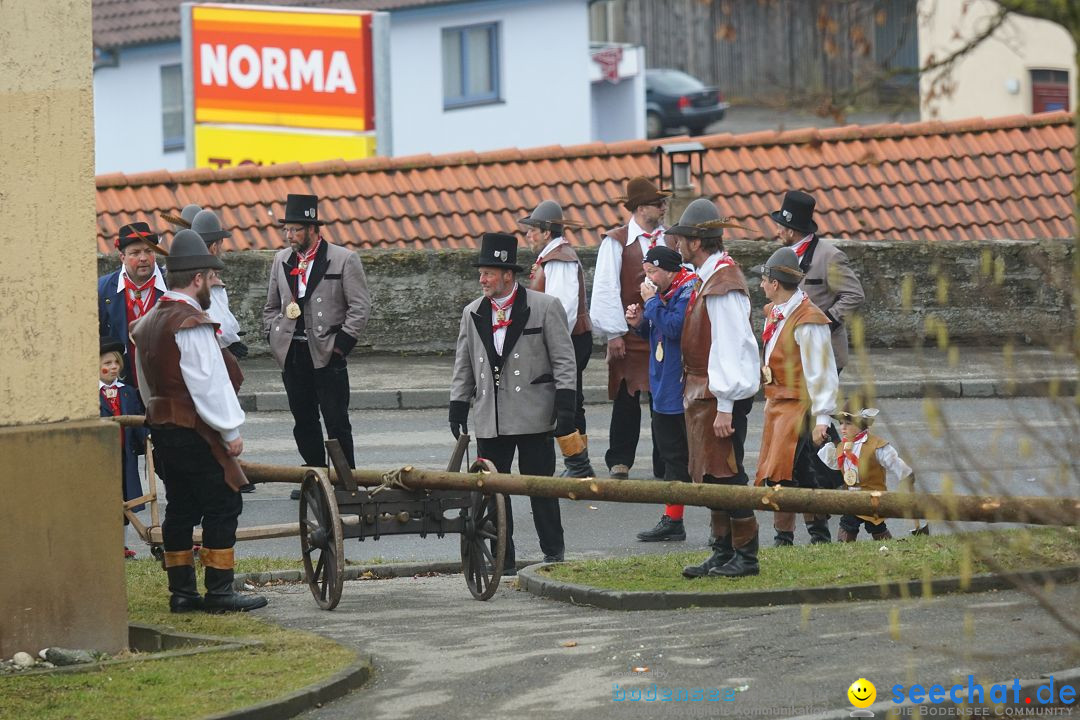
(138, 298)
(771, 323)
(800, 247)
(497, 325)
(724, 261)
(303, 262)
(849, 456)
(651, 237)
(112, 399)
(684, 277)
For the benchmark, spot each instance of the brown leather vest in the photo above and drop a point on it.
(696, 340)
(871, 473)
(170, 403)
(785, 362)
(565, 253)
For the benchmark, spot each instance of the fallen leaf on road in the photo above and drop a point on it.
(641, 669)
(569, 643)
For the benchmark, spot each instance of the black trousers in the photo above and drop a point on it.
(625, 431)
(851, 523)
(536, 456)
(582, 353)
(309, 391)
(669, 436)
(196, 492)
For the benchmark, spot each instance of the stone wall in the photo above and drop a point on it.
(982, 293)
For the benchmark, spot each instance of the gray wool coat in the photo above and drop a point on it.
(514, 394)
(831, 284)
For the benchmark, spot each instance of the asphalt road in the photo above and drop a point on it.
(1017, 447)
(440, 654)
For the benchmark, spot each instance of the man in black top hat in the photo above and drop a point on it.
(189, 389)
(515, 365)
(317, 306)
(833, 287)
(128, 293)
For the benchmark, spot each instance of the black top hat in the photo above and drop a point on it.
(498, 250)
(189, 253)
(110, 344)
(138, 232)
(301, 210)
(797, 212)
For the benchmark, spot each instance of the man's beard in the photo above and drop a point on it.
(203, 296)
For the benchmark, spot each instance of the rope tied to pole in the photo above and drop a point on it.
(392, 480)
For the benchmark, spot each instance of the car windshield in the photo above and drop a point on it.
(673, 82)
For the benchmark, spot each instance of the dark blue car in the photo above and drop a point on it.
(674, 99)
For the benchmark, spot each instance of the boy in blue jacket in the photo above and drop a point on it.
(117, 398)
(666, 291)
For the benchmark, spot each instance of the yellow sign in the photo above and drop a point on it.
(221, 147)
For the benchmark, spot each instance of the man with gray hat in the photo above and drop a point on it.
(720, 367)
(558, 272)
(189, 390)
(800, 381)
(207, 224)
(317, 305)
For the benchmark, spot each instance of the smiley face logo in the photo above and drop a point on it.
(862, 693)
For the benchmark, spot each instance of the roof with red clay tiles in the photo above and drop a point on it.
(1006, 178)
(120, 23)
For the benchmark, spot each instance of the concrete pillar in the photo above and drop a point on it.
(60, 520)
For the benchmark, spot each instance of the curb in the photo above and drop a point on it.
(910, 709)
(356, 572)
(312, 696)
(434, 398)
(532, 581)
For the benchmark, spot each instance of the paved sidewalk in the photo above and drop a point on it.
(414, 382)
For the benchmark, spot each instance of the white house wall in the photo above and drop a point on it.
(127, 112)
(544, 69)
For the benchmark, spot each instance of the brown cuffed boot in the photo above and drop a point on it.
(183, 591)
(744, 538)
(843, 535)
(784, 525)
(721, 547)
(218, 575)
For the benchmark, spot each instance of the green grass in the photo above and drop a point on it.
(184, 687)
(910, 558)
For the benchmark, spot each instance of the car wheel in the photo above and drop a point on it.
(654, 126)
(695, 131)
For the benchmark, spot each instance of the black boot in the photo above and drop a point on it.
(722, 553)
(784, 539)
(220, 596)
(666, 529)
(578, 466)
(744, 533)
(184, 593)
(818, 527)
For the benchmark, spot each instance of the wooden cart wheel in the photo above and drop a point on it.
(321, 539)
(483, 539)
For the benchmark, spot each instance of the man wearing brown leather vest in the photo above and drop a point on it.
(557, 271)
(189, 389)
(617, 286)
(800, 382)
(720, 370)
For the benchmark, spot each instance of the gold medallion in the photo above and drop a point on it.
(292, 311)
(110, 392)
(766, 375)
(500, 315)
(851, 477)
(660, 351)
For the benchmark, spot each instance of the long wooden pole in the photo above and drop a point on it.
(971, 508)
(968, 508)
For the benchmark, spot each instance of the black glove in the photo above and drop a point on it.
(459, 417)
(565, 412)
(239, 350)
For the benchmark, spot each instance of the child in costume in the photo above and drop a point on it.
(867, 462)
(119, 399)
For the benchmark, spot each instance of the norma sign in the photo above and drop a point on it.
(295, 79)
